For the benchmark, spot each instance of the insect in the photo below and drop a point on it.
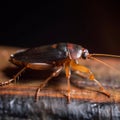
(61, 56)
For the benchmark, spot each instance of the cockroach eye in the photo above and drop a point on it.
(11, 55)
(85, 53)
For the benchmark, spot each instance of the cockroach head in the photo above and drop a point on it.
(85, 54)
(76, 51)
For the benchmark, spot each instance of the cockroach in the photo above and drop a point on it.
(61, 56)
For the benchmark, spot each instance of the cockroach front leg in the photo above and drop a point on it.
(83, 69)
(54, 74)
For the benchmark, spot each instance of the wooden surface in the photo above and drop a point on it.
(85, 94)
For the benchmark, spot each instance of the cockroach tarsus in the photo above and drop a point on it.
(61, 56)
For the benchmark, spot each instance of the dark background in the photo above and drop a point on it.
(92, 24)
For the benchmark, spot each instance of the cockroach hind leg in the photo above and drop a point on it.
(13, 79)
(19, 73)
(6, 82)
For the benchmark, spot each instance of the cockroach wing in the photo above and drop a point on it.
(44, 54)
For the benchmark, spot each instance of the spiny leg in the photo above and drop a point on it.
(14, 78)
(19, 73)
(83, 69)
(54, 74)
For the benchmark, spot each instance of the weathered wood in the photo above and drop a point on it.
(17, 100)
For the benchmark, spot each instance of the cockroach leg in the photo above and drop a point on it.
(19, 73)
(54, 74)
(14, 78)
(6, 82)
(80, 74)
(83, 69)
(102, 88)
(68, 74)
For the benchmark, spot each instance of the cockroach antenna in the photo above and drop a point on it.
(106, 55)
(93, 57)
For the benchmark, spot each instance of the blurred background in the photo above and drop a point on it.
(92, 24)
